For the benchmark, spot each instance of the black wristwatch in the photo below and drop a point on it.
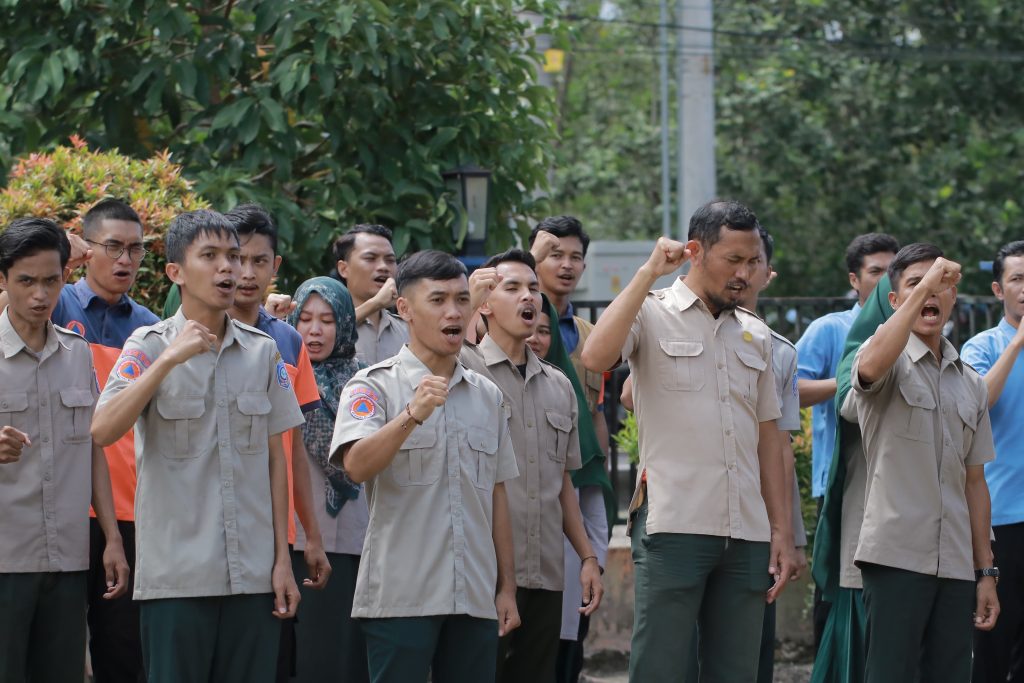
(988, 571)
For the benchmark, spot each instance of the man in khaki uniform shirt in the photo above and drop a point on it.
(706, 544)
(542, 501)
(49, 468)
(430, 439)
(209, 399)
(924, 420)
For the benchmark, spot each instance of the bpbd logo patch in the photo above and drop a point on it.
(131, 365)
(364, 403)
(76, 327)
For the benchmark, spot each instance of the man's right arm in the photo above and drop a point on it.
(604, 345)
(995, 377)
(814, 350)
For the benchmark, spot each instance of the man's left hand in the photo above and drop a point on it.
(318, 566)
(593, 588)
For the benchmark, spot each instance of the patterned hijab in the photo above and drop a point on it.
(332, 374)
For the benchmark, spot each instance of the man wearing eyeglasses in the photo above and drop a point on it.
(98, 308)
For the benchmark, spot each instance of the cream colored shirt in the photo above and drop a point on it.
(923, 423)
(203, 513)
(784, 361)
(44, 496)
(428, 548)
(542, 422)
(852, 517)
(701, 386)
(383, 341)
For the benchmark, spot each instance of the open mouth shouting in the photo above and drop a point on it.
(453, 334)
(226, 286)
(314, 347)
(736, 287)
(931, 313)
(122, 274)
(528, 314)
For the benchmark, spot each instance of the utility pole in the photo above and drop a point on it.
(666, 171)
(696, 100)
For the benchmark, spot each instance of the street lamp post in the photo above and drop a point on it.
(471, 186)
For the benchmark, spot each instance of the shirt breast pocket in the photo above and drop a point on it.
(920, 412)
(969, 417)
(483, 456)
(77, 408)
(419, 462)
(561, 426)
(176, 413)
(751, 367)
(679, 364)
(12, 410)
(250, 423)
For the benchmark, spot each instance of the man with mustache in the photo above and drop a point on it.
(710, 524)
(542, 500)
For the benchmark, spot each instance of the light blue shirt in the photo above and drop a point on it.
(819, 351)
(1005, 474)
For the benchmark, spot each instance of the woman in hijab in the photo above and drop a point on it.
(329, 643)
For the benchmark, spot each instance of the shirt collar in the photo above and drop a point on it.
(685, 297)
(231, 335)
(86, 295)
(918, 350)
(415, 369)
(495, 355)
(569, 314)
(855, 310)
(11, 342)
(1007, 329)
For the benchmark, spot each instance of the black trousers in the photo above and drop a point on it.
(994, 651)
(529, 654)
(570, 655)
(114, 643)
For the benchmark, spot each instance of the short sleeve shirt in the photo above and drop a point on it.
(852, 516)
(923, 424)
(429, 547)
(106, 327)
(383, 341)
(203, 506)
(701, 386)
(820, 350)
(542, 420)
(1005, 474)
(45, 494)
(784, 364)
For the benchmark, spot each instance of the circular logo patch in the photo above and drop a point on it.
(282, 376)
(76, 327)
(129, 369)
(362, 408)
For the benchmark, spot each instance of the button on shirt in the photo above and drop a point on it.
(543, 416)
(922, 424)
(203, 506)
(820, 349)
(383, 341)
(701, 385)
(45, 494)
(784, 365)
(428, 548)
(1005, 474)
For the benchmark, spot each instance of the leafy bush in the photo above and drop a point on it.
(66, 183)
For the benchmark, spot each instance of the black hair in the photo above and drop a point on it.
(344, 244)
(512, 255)
(187, 227)
(428, 265)
(108, 209)
(253, 219)
(865, 245)
(707, 222)
(1011, 249)
(769, 244)
(908, 256)
(28, 236)
(562, 226)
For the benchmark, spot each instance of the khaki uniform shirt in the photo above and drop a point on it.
(202, 507)
(784, 366)
(543, 426)
(44, 496)
(852, 517)
(428, 547)
(923, 424)
(701, 385)
(383, 341)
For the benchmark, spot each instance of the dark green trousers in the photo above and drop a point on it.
(223, 639)
(682, 580)
(920, 627)
(329, 644)
(42, 627)
(454, 648)
(530, 652)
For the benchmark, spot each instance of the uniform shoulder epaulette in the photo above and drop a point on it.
(156, 328)
(784, 340)
(750, 313)
(251, 329)
(386, 363)
(70, 333)
(970, 367)
(548, 366)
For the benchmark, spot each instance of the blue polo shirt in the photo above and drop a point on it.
(818, 353)
(1005, 474)
(567, 328)
(84, 312)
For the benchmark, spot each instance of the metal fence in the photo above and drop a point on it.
(789, 316)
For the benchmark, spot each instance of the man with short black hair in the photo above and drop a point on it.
(995, 354)
(430, 439)
(49, 468)
(924, 550)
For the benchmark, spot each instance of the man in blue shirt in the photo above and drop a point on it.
(819, 351)
(995, 354)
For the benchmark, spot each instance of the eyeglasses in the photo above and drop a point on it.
(136, 252)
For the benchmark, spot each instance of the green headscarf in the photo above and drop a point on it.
(593, 471)
(841, 653)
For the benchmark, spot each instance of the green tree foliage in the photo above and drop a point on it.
(330, 112)
(835, 117)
